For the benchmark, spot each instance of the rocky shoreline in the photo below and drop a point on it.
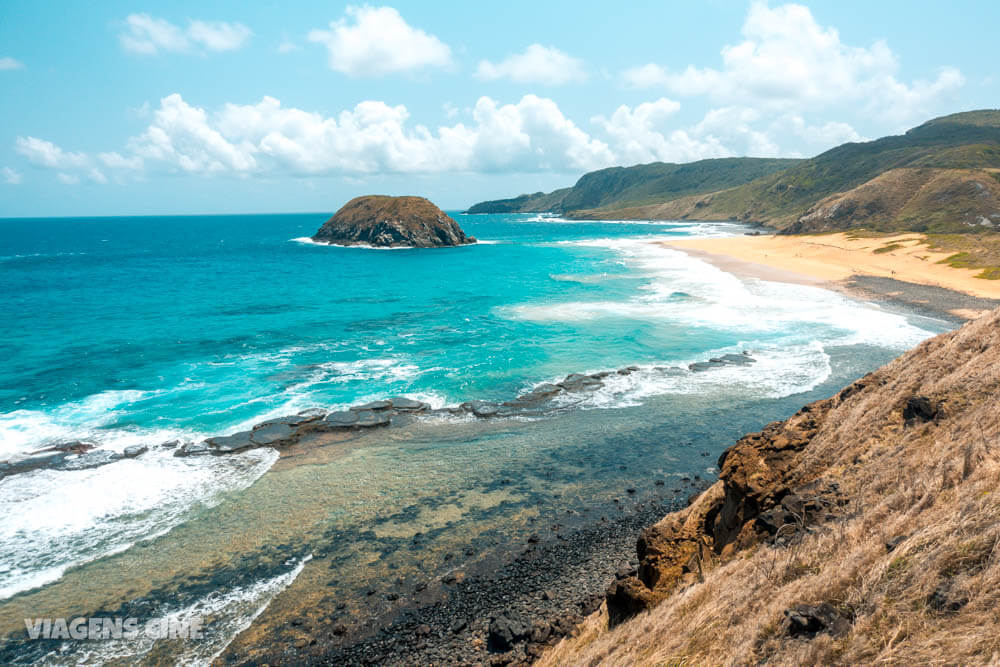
(498, 608)
(282, 432)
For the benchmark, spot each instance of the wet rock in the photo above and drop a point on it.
(228, 444)
(94, 459)
(919, 409)
(408, 404)
(736, 359)
(482, 409)
(271, 434)
(72, 447)
(576, 382)
(170, 444)
(699, 366)
(340, 419)
(374, 405)
(371, 418)
(135, 451)
(808, 620)
(193, 449)
(34, 461)
(506, 630)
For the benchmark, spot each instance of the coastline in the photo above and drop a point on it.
(908, 275)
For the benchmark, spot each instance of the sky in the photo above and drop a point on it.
(124, 108)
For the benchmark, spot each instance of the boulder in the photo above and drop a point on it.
(507, 630)
(408, 404)
(575, 382)
(340, 419)
(93, 459)
(374, 405)
(808, 620)
(370, 418)
(135, 451)
(392, 222)
(919, 409)
(273, 434)
(228, 444)
(193, 449)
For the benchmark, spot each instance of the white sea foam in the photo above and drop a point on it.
(55, 520)
(230, 613)
(364, 246)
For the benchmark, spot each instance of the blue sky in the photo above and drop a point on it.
(121, 108)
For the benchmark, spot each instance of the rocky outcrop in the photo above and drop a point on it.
(392, 222)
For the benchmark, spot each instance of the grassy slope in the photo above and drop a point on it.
(968, 143)
(640, 184)
(930, 599)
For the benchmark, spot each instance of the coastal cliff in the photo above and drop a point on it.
(392, 222)
(862, 529)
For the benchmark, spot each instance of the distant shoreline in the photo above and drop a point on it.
(900, 269)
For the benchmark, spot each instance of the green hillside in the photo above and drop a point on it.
(640, 184)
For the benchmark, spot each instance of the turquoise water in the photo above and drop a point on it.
(130, 328)
(140, 330)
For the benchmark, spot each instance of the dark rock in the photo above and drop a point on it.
(73, 447)
(659, 482)
(275, 433)
(919, 409)
(135, 451)
(699, 366)
(374, 405)
(370, 418)
(458, 626)
(482, 409)
(33, 461)
(170, 444)
(808, 620)
(292, 420)
(540, 631)
(736, 359)
(193, 449)
(341, 419)
(507, 630)
(576, 382)
(408, 404)
(392, 222)
(228, 444)
(94, 459)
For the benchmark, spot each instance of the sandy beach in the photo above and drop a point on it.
(882, 266)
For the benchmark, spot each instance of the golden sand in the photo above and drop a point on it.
(837, 257)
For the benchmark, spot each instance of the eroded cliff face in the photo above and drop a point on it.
(863, 528)
(390, 222)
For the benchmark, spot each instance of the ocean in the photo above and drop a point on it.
(123, 331)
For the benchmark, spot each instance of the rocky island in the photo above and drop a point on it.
(392, 222)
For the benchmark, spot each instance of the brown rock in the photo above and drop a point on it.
(390, 222)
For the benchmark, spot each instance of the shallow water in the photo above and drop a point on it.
(142, 330)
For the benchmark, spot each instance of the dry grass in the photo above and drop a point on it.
(933, 599)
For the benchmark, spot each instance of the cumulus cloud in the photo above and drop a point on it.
(10, 176)
(7, 63)
(148, 35)
(537, 64)
(788, 61)
(375, 41)
(46, 154)
(268, 139)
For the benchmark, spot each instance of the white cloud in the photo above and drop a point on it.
(8, 63)
(68, 179)
(787, 61)
(115, 160)
(46, 154)
(10, 176)
(375, 41)
(640, 135)
(287, 47)
(147, 35)
(218, 35)
(537, 64)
